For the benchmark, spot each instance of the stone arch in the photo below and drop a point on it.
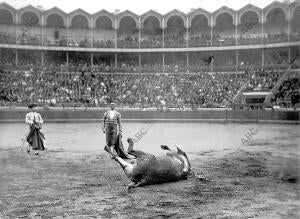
(103, 14)
(6, 17)
(30, 9)
(56, 12)
(11, 10)
(56, 19)
(127, 14)
(276, 9)
(149, 17)
(198, 15)
(29, 18)
(227, 15)
(76, 13)
(251, 8)
(197, 12)
(174, 17)
(132, 24)
(175, 13)
(103, 19)
(275, 5)
(149, 14)
(251, 21)
(224, 10)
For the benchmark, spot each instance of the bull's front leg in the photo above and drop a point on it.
(128, 187)
(125, 165)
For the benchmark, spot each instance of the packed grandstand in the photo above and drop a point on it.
(198, 59)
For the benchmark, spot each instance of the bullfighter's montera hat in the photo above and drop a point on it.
(30, 106)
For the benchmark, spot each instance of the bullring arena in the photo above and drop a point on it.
(221, 84)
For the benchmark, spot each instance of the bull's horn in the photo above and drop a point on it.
(179, 151)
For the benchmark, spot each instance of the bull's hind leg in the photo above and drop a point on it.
(131, 151)
(178, 156)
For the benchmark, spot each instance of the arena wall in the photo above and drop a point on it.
(131, 115)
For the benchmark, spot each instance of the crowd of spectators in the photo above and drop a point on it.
(263, 80)
(24, 60)
(8, 58)
(223, 40)
(128, 41)
(103, 43)
(200, 40)
(295, 36)
(27, 38)
(249, 39)
(58, 42)
(77, 42)
(89, 88)
(275, 37)
(174, 40)
(152, 41)
(173, 63)
(7, 38)
(288, 94)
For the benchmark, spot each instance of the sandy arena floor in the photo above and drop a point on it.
(256, 180)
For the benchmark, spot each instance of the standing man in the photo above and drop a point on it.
(112, 126)
(35, 137)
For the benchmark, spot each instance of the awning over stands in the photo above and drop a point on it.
(257, 93)
(255, 98)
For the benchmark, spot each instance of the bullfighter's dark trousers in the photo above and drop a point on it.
(111, 134)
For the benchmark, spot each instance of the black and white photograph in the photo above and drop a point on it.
(141, 109)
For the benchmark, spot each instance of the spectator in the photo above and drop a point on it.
(86, 88)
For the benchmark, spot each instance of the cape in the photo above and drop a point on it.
(120, 149)
(36, 138)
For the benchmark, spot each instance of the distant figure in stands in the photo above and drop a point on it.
(113, 128)
(35, 137)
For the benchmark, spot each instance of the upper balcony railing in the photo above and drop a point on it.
(88, 40)
(278, 22)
